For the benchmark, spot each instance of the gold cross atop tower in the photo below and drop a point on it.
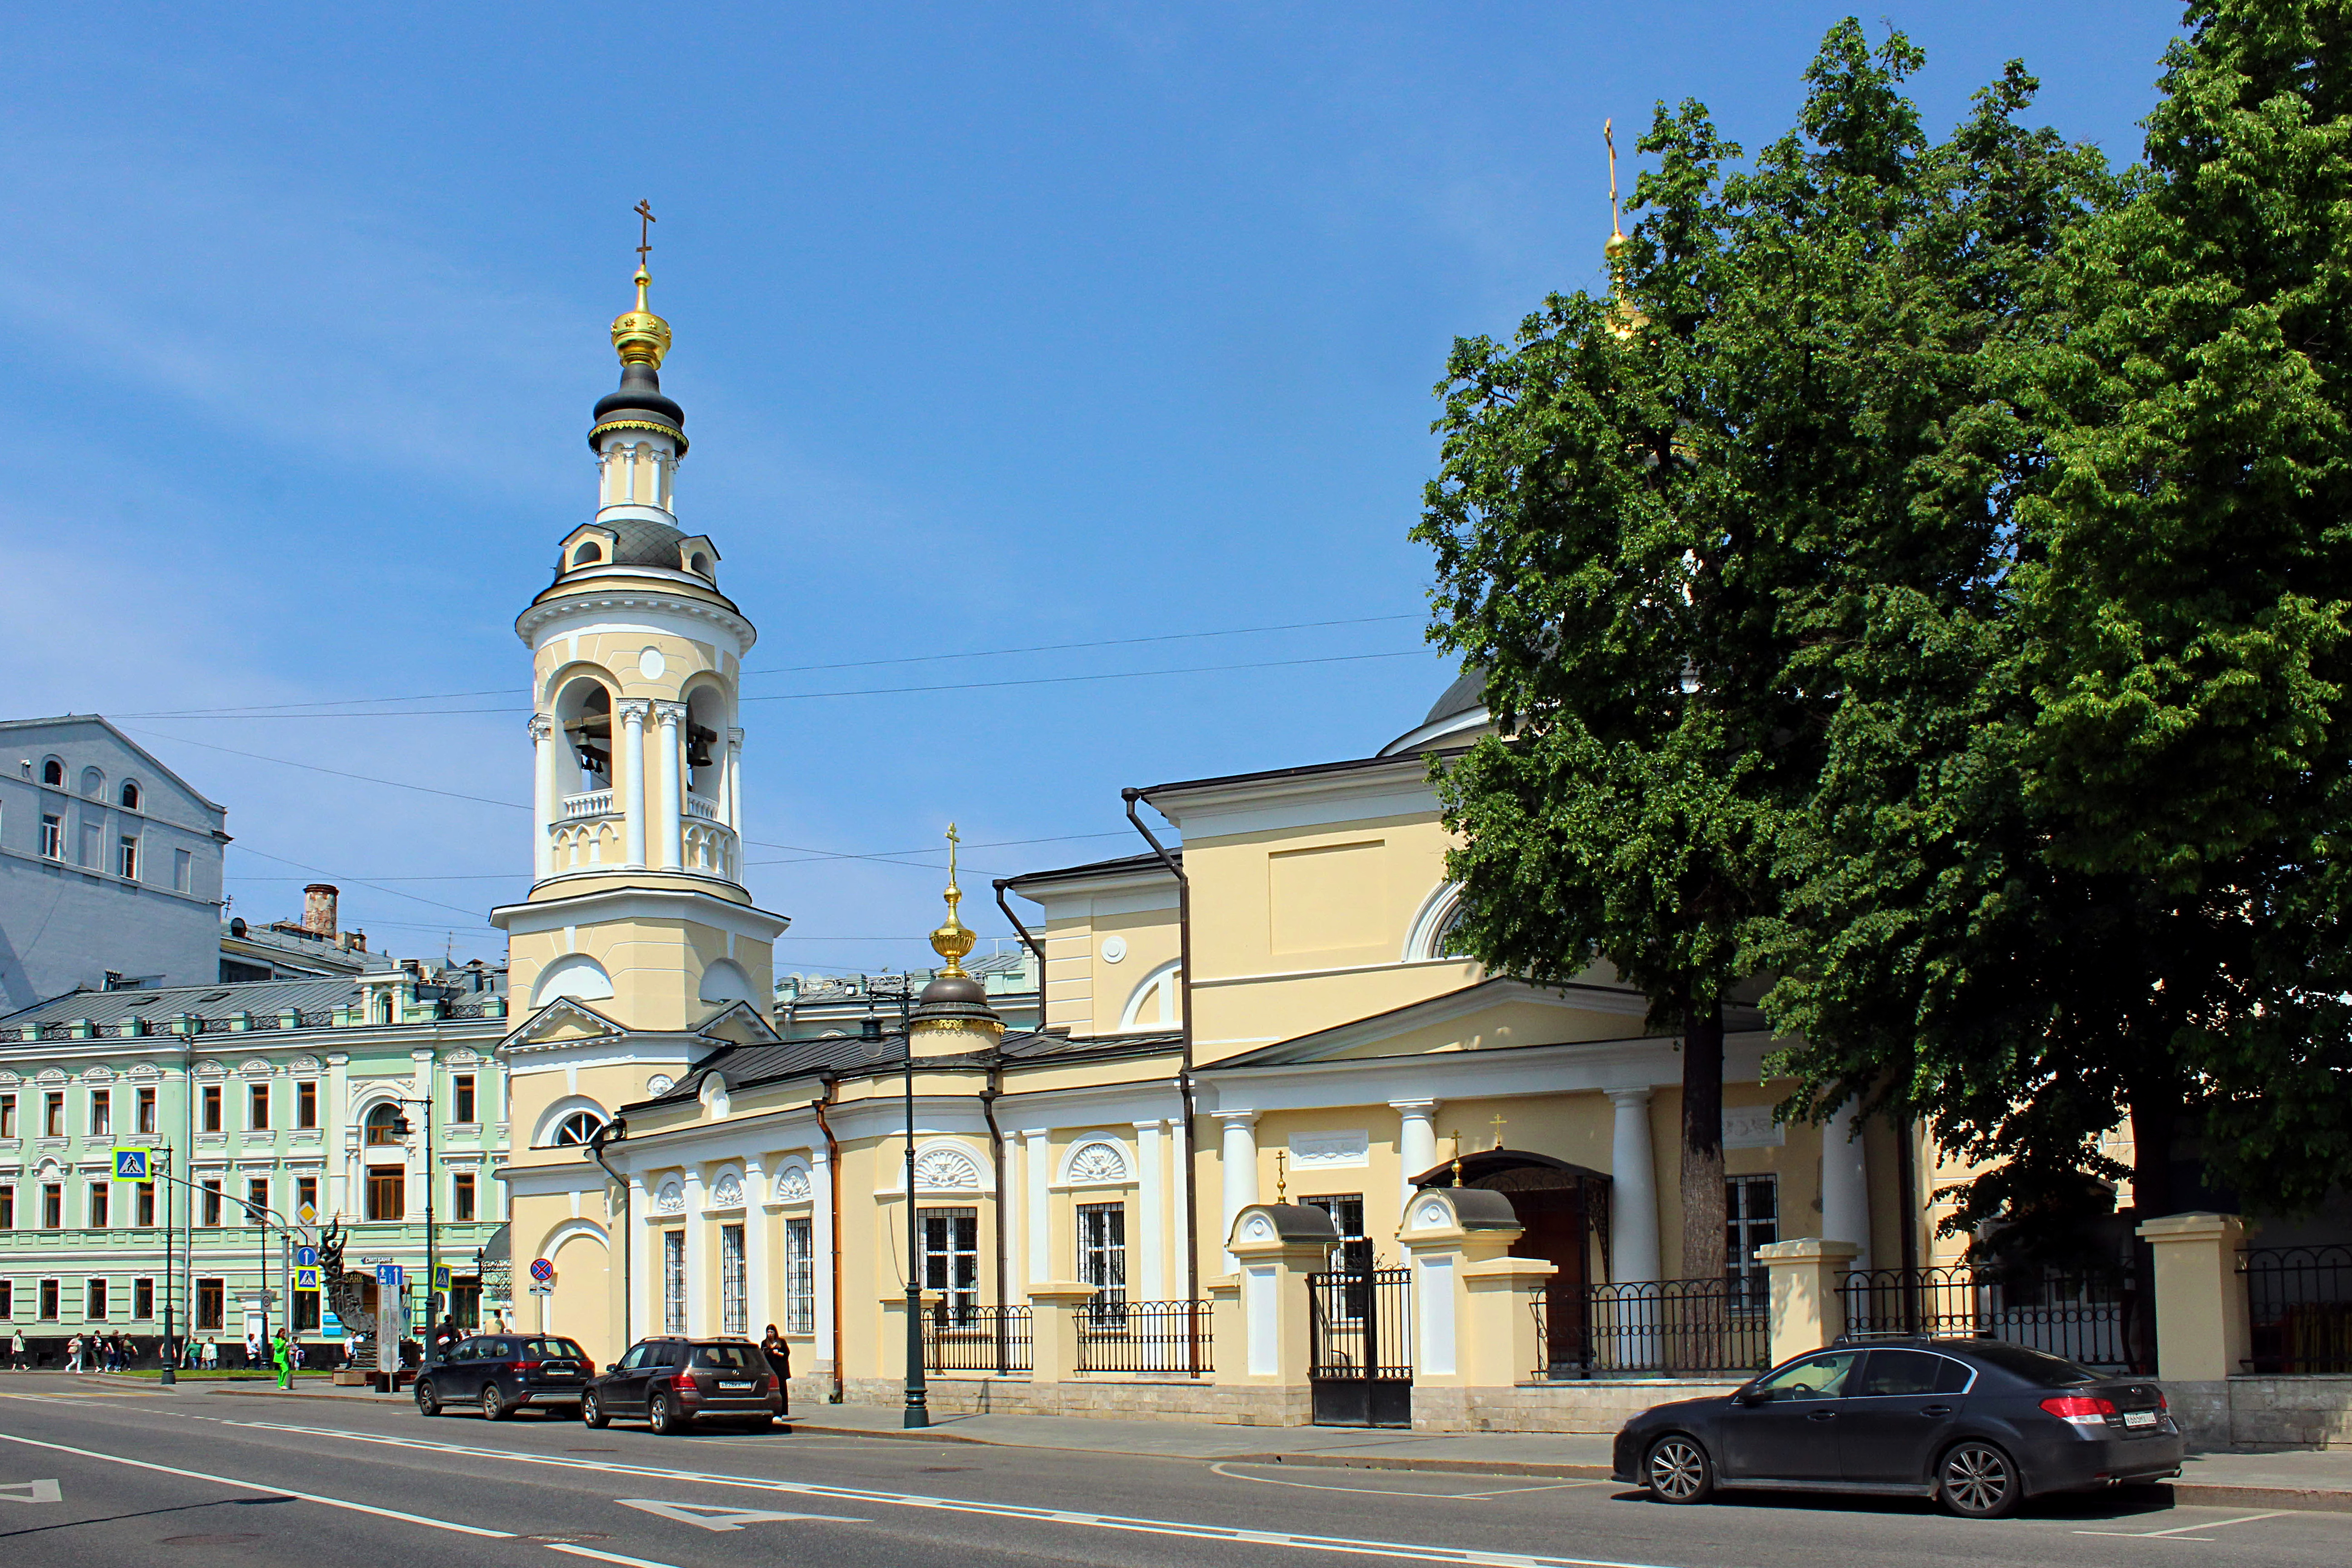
(953, 939)
(1497, 1125)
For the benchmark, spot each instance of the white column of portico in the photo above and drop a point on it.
(755, 1246)
(672, 805)
(645, 1262)
(701, 1311)
(544, 807)
(1632, 1190)
(1237, 1162)
(821, 1179)
(1037, 1172)
(1152, 1197)
(1416, 1140)
(632, 748)
(1845, 1184)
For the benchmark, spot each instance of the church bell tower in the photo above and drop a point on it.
(638, 910)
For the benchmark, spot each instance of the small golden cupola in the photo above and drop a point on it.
(1627, 317)
(952, 1013)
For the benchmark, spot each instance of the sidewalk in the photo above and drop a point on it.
(2304, 1479)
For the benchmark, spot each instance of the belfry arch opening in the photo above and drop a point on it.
(585, 709)
(707, 718)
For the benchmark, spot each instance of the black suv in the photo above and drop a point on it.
(1978, 1425)
(505, 1372)
(673, 1381)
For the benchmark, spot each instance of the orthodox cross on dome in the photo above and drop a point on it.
(953, 939)
(1281, 1175)
(1497, 1125)
(644, 211)
(1608, 139)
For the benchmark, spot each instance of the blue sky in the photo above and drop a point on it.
(996, 327)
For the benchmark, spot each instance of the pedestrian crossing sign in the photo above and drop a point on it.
(307, 1278)
(441, 1279)
(130, 1165)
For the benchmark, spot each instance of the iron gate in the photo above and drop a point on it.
(1359, 1367)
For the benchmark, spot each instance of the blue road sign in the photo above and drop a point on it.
(305, 1277)
(130, 1165)
(306, 1258)
(388, 1277)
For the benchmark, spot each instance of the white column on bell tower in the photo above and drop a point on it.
(667, 815)
(735, 782)
(543, 795)
(633, 710)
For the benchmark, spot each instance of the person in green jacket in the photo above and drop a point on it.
(282, 1352)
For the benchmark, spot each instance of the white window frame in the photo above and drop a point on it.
(53, 836)
(126, 858)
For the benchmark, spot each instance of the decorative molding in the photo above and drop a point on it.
(727, 1191)
(1752, 1127)
(660, 1083)
(1350, 1150)
(670, 1198)
(945, 1170)
(1097, 1162)
(794, 1184)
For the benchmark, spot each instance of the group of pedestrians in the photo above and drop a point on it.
(92, 1352)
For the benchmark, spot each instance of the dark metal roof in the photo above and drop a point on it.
(1144, 862)
(848, 1056)
(1466, 695)
(263, 998)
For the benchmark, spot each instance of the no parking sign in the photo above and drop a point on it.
(541, 1269)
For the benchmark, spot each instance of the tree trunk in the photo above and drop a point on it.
(1703, 1214)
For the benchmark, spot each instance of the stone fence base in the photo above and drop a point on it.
(1598, 1406)
(2265, 1413)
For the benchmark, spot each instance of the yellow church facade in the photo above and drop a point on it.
(1258, 1053)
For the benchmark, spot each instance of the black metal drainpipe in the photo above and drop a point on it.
(833, 1193)
(1183, 1075)
(613, 1131)
(996, 1149)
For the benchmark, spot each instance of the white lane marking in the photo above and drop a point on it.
(606, 1556)
(1391, 1492)
(260, 1486)
(31, 1491)
(1176, 1527)
(2180, 1532)
(712, 1516)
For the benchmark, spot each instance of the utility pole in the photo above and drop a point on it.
(918, 1412)
(171, 1356)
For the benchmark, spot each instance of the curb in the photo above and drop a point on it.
(2217, 1494)
(1565, 1472)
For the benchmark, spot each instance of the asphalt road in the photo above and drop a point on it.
(92, 1480)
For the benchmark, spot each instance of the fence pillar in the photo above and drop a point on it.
(890, 1353)
(1474, 1306)
(1054, 1305)
(2202, 1334)
(1278, 1245)
(1807, 1312)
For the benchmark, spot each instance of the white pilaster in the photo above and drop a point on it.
(1035, 1173)
(543, 803)
(1416, 1143)
(734, 781)
(820, 1246)
(701, 1304)
(645, 1262)
(634, 710)
(1152, 1198)
(1238, 1165)
(668, 826)
(756, 1221)
(1632, 1190)
(1845, 1184)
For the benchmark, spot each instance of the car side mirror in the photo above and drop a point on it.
(1752, 1396)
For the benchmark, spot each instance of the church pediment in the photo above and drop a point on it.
(739, 1024)
(1492, 1015)
(561, 1022)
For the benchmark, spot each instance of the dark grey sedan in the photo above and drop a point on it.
(1976, 1423)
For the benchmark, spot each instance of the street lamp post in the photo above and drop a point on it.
(171, 1375)
(432, 1272)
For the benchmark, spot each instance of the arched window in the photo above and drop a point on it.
(385, 1125)
(131, 794)
(93, 783)
(577, 1130)
(53, 773)
(1158, 1000)
(588, 555)
(701, 564)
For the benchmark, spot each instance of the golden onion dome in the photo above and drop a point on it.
(954, 939)
(639, 336)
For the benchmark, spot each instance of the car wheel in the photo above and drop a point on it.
(494, 1403)
(427, 1402)
(1678, 1470)
(592, 1411)
(664, 1417)
(1976, 1480)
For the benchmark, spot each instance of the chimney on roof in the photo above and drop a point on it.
(319, 908)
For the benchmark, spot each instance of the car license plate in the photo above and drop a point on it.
(2139, 1418)
(734, 1387)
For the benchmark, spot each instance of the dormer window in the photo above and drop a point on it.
(588, 555)
(130, 794)
(53, 773)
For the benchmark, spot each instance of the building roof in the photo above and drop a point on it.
(1122, 865)
(116, 731)
(259, 997)
(853, 1055)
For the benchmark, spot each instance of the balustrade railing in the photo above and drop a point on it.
(1654, 1327)
(702, 806)
(976, 1338)
(595, 803)
(2299, 1307)
(1168, 1337)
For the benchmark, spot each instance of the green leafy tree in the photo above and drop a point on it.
(1663, 520)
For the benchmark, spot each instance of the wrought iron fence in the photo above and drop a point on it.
(1653, 1328)
(975, 1338)
(2096, 1317)
(1170, 1337)
(1363, 1324)
(2299, 1306)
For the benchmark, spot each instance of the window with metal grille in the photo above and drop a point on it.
(673, 1283)
(799, 1277)
(951, 1261)
(734, 1309)
(1102, 1259)
(1751, 1207)
(1353, 1253)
